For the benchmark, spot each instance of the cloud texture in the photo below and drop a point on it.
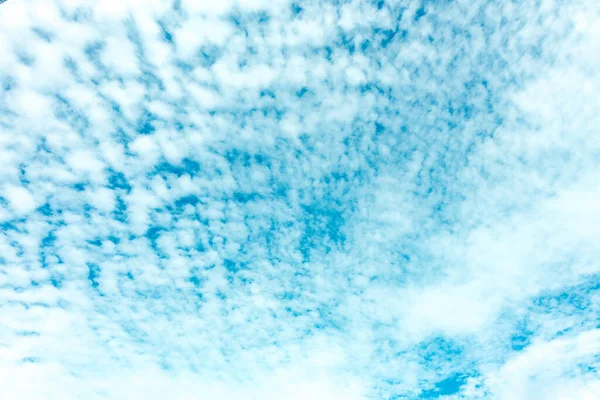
(318, 200)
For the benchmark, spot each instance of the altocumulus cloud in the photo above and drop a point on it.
(255, 199)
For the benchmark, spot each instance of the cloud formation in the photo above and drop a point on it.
(299, 200)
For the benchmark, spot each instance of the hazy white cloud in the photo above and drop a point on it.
(19, 199)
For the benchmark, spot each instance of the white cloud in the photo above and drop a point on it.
(119, 55)
(548, 370)
(19, 198)
(82, 161)
(198, 31)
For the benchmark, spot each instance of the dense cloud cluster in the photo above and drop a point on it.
(259, 199)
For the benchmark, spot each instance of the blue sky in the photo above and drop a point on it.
(252, 199)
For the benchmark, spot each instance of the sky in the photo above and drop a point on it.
(321, 200)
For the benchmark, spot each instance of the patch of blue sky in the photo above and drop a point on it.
(449, 386)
